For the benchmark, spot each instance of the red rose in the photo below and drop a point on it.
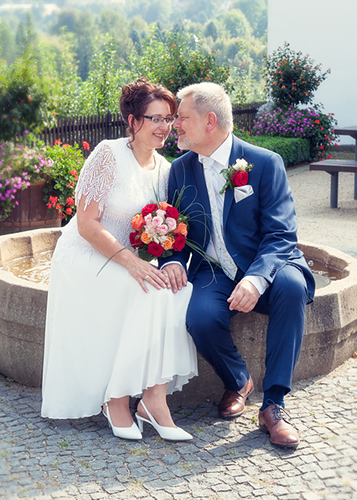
(180, 242)
(149, 209)
(135, 240)
(155, 249)
(172, 212)
(240, 178)
(85, 145)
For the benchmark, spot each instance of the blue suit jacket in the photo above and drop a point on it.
(260, 231)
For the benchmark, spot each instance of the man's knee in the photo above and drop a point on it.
(290, 284)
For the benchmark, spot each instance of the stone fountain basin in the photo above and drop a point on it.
(330, 331)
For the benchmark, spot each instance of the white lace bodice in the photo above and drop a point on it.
(112, 177)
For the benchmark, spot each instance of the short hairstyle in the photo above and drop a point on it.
(136, 97)
(210, 97)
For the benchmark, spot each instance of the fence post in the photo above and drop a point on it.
(108, 125)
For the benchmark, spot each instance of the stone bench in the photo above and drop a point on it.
(330, 332)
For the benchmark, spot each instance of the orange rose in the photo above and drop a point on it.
(138, 222)
(181, 229)
(163, 205)
(168, 243)
(145, 238)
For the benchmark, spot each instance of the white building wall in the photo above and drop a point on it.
(327, 31)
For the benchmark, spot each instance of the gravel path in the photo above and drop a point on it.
(317, 222)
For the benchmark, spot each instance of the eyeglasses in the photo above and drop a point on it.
(156, 119)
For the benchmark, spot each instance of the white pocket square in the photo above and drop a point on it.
(242, 192)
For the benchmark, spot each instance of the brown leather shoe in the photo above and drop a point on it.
(233, 402)
(273, 420)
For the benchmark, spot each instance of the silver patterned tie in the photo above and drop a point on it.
(228, 265)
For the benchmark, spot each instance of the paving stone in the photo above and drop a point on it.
(80, 460)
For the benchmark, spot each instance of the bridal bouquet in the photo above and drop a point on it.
(159, 230)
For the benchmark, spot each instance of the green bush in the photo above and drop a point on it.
(24, 103)
(292, 150)
(292, 78)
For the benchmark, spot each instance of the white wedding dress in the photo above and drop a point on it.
(105, 337)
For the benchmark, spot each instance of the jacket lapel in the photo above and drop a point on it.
(236, 152)
(202, 193)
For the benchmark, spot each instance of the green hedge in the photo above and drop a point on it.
(292, 150)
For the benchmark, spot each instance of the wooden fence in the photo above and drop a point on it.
(94, 129)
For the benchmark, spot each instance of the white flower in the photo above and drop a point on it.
(161, 213)
(240, 164)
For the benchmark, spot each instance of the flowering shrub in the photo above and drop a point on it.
(170, 148)
(292, 78)
(65, 164)
(309, 123)
(22, 165)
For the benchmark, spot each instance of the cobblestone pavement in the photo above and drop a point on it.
(82, 460)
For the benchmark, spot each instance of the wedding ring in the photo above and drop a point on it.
(165, 273)
(146, 277)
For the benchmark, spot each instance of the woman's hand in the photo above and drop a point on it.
(144, 273)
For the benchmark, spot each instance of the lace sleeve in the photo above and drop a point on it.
(97, 177)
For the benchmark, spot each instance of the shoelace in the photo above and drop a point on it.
(279, 412)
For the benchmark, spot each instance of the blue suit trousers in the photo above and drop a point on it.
(208, 322)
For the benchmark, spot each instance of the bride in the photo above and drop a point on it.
(119, 332)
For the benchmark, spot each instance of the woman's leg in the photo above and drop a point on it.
(155, 400)
(119, 412)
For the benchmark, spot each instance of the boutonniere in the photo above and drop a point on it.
(236, 175)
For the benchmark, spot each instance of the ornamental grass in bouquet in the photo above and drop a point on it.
(159, 230)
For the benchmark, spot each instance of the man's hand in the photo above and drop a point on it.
(244, 297)
(177, 276)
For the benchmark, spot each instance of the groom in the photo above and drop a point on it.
(251, 231)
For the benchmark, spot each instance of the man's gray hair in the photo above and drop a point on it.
(210, 97)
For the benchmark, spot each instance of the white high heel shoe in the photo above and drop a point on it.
(122, 432)
(169, 433)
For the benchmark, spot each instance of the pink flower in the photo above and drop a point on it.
(171, 223)
(162, 230)
(157, 221)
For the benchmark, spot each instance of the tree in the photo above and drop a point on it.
(114, 23)
(256, 12)
(26, 35)
(202, 10)
(211, 30)
(236, 24)
(151, 11)
(24, 101)
(177, 61)
(7, 42)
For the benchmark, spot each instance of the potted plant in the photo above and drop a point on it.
(37, 184)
